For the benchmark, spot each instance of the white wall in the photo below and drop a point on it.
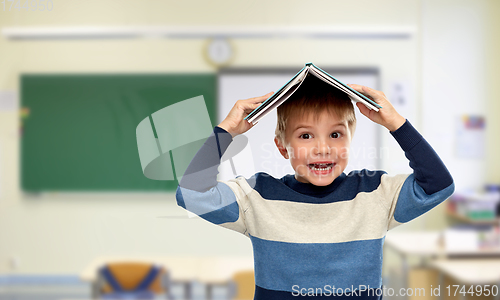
(454, 79)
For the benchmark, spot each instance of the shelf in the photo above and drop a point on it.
(465, 219)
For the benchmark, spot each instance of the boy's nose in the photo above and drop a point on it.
(323, 148)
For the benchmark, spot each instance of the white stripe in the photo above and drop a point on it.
(362, 218)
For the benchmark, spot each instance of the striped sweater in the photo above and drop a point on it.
(316, 239)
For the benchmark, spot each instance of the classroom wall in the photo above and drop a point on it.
(61, 232)
(455, 35)
(492, 65)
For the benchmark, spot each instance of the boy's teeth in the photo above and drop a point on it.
(321, 167)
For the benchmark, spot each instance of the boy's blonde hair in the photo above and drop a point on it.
(320, 97)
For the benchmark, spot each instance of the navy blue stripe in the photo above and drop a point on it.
(345, 187)
(224, 138)
(407, 136)
(430, 171)
(201, 174)
(281, 265)
(203, 194)
(325, 293)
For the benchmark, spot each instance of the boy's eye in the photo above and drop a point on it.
(335, 135)
(305, 134)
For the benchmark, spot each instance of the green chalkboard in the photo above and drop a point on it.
(78, 132)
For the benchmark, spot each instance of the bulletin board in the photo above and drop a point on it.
(261, 154)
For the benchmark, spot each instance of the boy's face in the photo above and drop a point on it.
(311, 142)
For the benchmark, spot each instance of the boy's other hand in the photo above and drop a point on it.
(235, 122)
(387, 116)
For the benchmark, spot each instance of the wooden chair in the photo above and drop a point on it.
(132, 280)
(244, 285)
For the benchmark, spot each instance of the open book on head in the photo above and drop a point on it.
(291, 86)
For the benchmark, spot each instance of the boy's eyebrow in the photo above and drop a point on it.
(306, 126)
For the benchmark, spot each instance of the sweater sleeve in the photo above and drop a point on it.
(201, 193)
(429, 184)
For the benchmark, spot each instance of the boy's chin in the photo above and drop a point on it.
(324, 181)
(320, 181)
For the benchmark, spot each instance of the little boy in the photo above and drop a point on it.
(318, 232)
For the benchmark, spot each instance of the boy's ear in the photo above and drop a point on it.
(282, 149)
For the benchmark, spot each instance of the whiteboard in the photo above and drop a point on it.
(261, 153)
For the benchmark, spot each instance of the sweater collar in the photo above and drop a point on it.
(311, 189)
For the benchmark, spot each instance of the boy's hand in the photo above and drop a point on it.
(234, 123)
(387, 116)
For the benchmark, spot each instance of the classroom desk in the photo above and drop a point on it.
(209, 270)
(470, 271)
(425, 245)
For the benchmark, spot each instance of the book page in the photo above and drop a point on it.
(280, 96)
(329, 80)
(277, 103)
(353, 96)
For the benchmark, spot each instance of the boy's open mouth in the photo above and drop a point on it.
(321, 166)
